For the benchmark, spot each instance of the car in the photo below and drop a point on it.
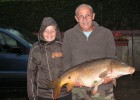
(14, 52)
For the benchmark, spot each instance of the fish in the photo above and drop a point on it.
(90, 74)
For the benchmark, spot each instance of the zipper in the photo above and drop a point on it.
(48, 66)
(87, 39)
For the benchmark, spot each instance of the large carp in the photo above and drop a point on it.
(90, 74)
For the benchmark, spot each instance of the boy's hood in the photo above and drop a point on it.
(48, 21)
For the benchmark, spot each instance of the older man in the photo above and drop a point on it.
(86, 41)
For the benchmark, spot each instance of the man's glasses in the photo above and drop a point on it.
(84, 17)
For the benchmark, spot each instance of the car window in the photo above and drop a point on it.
(6, 43)
(1, 42)
(25, 35)
(9, 41)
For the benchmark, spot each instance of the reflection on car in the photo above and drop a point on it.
(14, 50)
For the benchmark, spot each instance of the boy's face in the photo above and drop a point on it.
(50, 33)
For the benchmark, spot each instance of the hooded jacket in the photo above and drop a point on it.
(77, 48)
(44, 64)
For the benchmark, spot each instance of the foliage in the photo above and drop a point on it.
(119, 36)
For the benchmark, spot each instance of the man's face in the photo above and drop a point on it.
(85, 18)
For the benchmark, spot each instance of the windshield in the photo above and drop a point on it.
(29, 37)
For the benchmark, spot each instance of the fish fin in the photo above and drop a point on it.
(114, 82)
(55, 85)
(96, 86)
(94, 90)
(104, 74)
(69, 86)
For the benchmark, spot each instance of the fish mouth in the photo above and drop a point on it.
(132, 70)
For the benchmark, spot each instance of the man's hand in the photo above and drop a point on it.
(107, 80)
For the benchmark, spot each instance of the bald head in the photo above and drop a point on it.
(83, 6)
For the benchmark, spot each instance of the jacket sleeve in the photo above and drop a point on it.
(66, 50)
(111, 48)
(31, 75)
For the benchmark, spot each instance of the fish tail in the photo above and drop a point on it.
(55, 85)
(56, 92)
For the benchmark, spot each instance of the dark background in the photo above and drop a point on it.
(28, 14)
(113, 14)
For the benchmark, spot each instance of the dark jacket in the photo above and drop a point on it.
(77, 48)
(43, 66)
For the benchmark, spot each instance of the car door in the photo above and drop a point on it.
(13, 59)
